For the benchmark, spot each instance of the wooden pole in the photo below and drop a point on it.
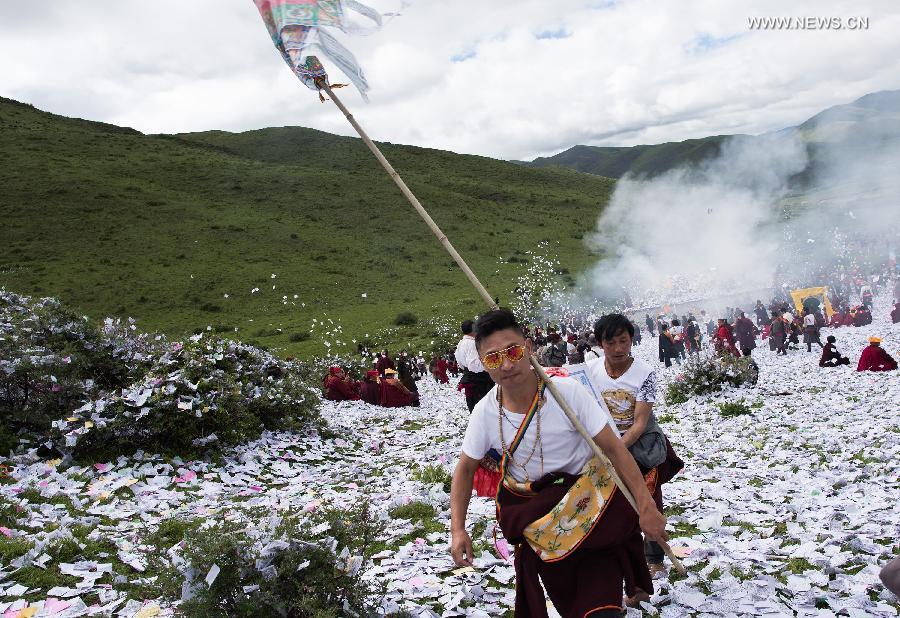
(598, 452)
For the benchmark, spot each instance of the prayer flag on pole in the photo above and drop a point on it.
(300, 27)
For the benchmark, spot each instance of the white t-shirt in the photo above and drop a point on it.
(622, 394)
(809, 319)
(467, 355)
(563, 447)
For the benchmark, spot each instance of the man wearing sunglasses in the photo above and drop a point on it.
(571, 526)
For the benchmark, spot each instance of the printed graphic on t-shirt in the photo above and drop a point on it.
(621, 404)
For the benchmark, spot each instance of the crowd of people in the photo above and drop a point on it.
(542, 474)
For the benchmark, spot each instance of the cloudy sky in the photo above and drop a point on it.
(512, 79)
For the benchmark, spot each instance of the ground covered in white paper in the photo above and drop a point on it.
(789, 510)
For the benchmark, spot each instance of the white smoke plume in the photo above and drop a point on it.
(692, 232)
(793, 208)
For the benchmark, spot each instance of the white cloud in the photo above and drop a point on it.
(530, 77)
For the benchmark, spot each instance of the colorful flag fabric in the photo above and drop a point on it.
(300, 27)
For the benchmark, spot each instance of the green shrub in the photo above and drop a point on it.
(733, 408)
(703, 375)
(290, 575)
(52, 360)
(676, 392)
(128, 390)
(298, 337)
(414, 511)
(208, 387)
(406, 318)
(434, 474)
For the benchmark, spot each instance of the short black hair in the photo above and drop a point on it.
(492, 321)
(466, 327)
(610, 326)
(831, 339)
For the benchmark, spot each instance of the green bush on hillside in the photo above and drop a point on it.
(52, 360)
(203, 394)
(101, 392)
(703, 375)
(406, 318)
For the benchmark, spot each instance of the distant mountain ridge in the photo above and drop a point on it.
(876, 114)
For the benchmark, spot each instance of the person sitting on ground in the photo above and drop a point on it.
(863, 316)
(338, 387)
(393, 394)
(895, 314)
(875, 358)
(370, 387)
(837, 318)
(583, 569)
(849, 317)
(830, 355)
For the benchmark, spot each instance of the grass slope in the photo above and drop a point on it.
(114, 222)
(615, 161)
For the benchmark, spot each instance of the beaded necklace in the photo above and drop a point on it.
(507, 453)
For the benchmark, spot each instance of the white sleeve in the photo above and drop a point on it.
(477, 441)
(460, 354)
(473, 362)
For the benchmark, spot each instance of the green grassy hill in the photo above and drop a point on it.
(859, 125)
(616, 161)
(161, 228)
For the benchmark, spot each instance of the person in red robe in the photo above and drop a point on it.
(439, 369)
(393, 394)
(745, 331)
(370, 387)
(849, 316)
(895, 314)
(338, 387)
(874, 358)
(837, 319)
(384, 363)
(725, 339)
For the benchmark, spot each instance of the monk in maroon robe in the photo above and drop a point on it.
(895, 314)
(874, 358)
(338, 387)
(724, 340)
(393, 394)
(370, 388)
(837, 319)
